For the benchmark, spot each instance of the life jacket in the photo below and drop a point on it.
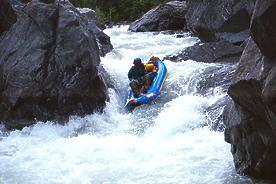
(150, 67)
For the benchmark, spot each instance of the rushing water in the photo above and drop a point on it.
(168, 142)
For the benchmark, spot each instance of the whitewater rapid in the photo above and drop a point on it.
(167, 143)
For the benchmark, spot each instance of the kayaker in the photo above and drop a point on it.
(136, 75)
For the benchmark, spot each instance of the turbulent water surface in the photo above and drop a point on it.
(168, 142)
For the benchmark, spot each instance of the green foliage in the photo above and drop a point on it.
(119, 10)
(100, 14)
(84, 3)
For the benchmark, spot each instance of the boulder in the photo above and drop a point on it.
(250, 122)
(250, 64)
(212, 52)
(263, 32)
(102, 39)
(235, 38)
(214, 115)
(251, 141)
(49, 66)
(219, 76)
(263, 27)
(7, 16)
(168, 16)
(248, 128)
(219, 20)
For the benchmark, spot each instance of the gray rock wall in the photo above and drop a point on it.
(49, 66)
(250, 119)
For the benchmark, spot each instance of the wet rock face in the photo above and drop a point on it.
(7, 16)
(168, 16)
(212, 52)
(49, 66)
(250, 120)
(214, 115)
(263, 27)
(219, 20)
(102, 39)
(251, 140)
(263, 31)
(250, 131)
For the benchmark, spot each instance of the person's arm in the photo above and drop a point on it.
(130, 73)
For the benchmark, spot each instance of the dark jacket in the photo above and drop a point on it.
(137, 72)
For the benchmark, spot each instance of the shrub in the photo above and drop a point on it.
(119, 10)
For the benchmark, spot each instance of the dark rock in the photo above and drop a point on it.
(102, 39)
(247, 93)
(235, 38)
(219, 76)
(251, 145)
(26, 1)
(231, 118)
(215, 20)
(214, 115)
(214, 81)
(250, 64)
(168, 16)
(107, 78)
(17, 4)
(213, 52)
(263, 27)
(269, 89)
(49, 66)
(263, 31)
(249, 120)
(47, 1)
(7, 16)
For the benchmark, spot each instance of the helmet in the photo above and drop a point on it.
(137, 61)
(149, 67)
(153, 58)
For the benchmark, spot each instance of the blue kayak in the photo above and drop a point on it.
(153, 91)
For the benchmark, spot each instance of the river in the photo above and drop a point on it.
(170, 142)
